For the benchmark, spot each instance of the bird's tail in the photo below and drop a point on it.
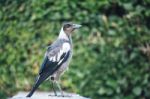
(39, 80)
(32, 91)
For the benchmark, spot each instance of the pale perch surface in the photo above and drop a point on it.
(47, 95)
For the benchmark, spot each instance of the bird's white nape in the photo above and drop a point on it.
(63, 35)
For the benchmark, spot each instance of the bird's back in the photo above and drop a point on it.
(55, 56)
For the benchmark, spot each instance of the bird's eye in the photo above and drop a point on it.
(67, 25)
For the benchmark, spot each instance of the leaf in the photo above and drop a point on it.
(137, 91)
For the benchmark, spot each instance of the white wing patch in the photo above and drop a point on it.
(65, 48)
(53, 59)
(60, 61)
(59, 54)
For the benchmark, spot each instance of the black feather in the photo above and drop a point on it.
(39, 80)
(48, 68)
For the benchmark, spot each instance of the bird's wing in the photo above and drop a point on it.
(54, 58)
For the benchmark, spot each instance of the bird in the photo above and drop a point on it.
(56, 59)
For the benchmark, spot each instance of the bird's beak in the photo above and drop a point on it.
(76, 26)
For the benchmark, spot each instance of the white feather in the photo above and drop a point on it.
(63, 35)
(51, 58)
(59, 55)
(66, 47)
(60, 61)
(54, 58)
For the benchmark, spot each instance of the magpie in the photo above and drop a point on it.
(56, 59)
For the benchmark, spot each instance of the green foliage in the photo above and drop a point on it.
(108, 62)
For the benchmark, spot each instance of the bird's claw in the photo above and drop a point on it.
(52, 95)
(63, 95)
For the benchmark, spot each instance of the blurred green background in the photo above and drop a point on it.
(111, 51)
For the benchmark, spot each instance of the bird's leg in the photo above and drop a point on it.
(59, 87)
(52, 80)
(53, 87)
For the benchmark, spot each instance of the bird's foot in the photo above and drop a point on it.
(64, 95)
(52, 95)
(60, 95)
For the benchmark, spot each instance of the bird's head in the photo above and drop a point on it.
(69, 27)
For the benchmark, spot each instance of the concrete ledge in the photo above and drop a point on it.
(47, 95)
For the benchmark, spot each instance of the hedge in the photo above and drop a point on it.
(111, 51)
